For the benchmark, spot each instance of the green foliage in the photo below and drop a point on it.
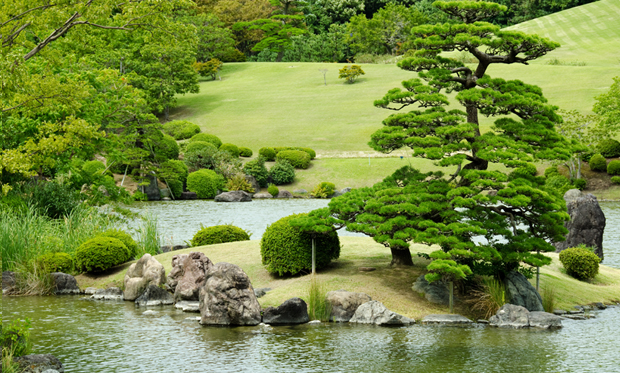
(286, 250)
(139, 196)
(324, 190)
(580, 184)
(560, 183)
(297, 158)
(15, 338)
(310, 152)
(257, 169)
(615, 180)
(231, 148)
(93, 169)
(149, 239)
(53, 199)
(200, 147)
(598, 163)
(245, 152)
(181, 129)
(205, 183)
(489, 298)
(219, 234)
(210, 68)
(318, 306)
(607, 107)
(55, 262)
(548, 298)
(277, 32)
(200, 156)
(527, 171)
(282, 172)
(214, 39)
(238, 182)
(350, 73)
(174, 174)
(609, 148)
(580, 263)
(208, 138)
(613, 168)
(126, 239)
(268, 153)
(100, 253)
(552, 171)
(273, 190)
(166, 148)
(327, 46)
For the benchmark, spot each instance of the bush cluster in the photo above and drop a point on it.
(208, 138)
(615, 179)
(310, 152)
(598, 163)
(609, 148)
(245, 152)
(205, 183)
(181, 129)
(580, 262)
(282, 173)
(525, 172)
(15, 339)
(350, 73)
(100, 253)
(551, 171)
(126, 239)
(219, 234)
(580, 184)
(53, 199)
(257, 169)
(297, 158)
(92, 170)
(231, 148)
(286, 250)
(56, 262)
(269, 154)
(613, 168)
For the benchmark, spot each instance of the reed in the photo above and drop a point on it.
(318, 306)
(149, 239)
(488, 298)
(548, 298)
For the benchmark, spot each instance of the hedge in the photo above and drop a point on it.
(297, 158)
(208, 138)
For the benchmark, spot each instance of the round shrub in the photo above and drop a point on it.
(297, 158)
(56, 262)
(286, 250)
(282, 173)
(609, 148)
(93, 168)
(580, 184)
(585, 156)
(580, 263)
(100, 253)
(208, 138)
(257, 169)
(166, 148)
(200, 146)
(181, 129)
(615, 180)
(268, 153)
(273, 190)
(205, 183)
(125, 238)
(219, 234)
(245, 152)
(231, 148)
(310, 152)
(613, 168)
(598, 163)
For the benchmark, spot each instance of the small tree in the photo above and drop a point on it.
(350, 73)
(210, 68)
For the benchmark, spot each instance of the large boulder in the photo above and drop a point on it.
(8, 281)
(146, 271)
(434, 292)
(112, 293)
(292, 311)
(152, 189)
(284, 194)
(188, 274)
(64, 283)
(154, 296)
(517, 317)
(227, 297)
(234, 196)
(252, 180)
(39, 363)
(586, 224)
(522, 293)
(344, 304)
(374, 312)
(262, 195)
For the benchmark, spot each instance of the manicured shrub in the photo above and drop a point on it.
(56, 262)
(350, 73)
(297, 158)
(245, 152)
(181, 129)
(286, 250)
(598, 163)
(273, 190)
(126, 239)
(525, 172)
(200, 146)
(238, 182)
(166, 148)
(580, 184)
(613, 168)
(257, 169)
(100, 253)
(324, 190)
(268, 153)
(174, 173)
(310, 152)
(615, 180)
(552, 171)
(201, 156)
(208, 138)
(580, 263)
(609, 148)
(231, 148)
(282, 173)
(219, 234)
(205, 183)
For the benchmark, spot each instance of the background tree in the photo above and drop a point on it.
(277, 32)
(607, 106)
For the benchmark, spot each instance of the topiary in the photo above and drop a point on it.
(282, 173)
(56, 262)
(598, 163)
(273, 190)
(609, 148)
(231, 148)
(200, 146)
(181, 129)
(580, 262)
(580, 184)
(268, 153)
(219, 234)
(208, 138)
(125, 238)
(613, 168)
(615, 180)
(324, 190)
(245, 152)
(257, 169)
(297, 158)
(205, 183)
(100, 253)
(286, 250)
(166, 148)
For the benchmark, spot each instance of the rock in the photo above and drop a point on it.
(188, 275)
(188, 195)
(146, 271)
(252, 180)
(108, 294)
(261, 291)
(292, 311)
(559, 312)
(169, 248)
(227, 297)
(300, 191)
(434, 292)
(154, 296)
(586, 224)
(39, 363)
(64, 283)
(166, 199)
(517, 317)
(600, 305)
(8, 281)
(152, 189)
(284, 194)
(482, 321)
(335, 194)
(90, 291)
(367, 269)
(188, 306)
(544, 320)
(448, 319)
(344, 304)
(346, 190)
(374, 312)
(150, 313)
(234, 196)
(262, 195)
(522, 293)
(164, 193)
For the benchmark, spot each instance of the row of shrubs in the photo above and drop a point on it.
(598, 163)
(296, 156)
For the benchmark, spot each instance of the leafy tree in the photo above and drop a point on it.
(350, 73)
(286, 6)
(214, 40)
(320, 14)
(209, 68)
(277, 31)
(607, 106)
(327, 46)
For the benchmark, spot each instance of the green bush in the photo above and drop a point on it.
(580, 263)
(238, 182)
(615, 180)
(350, 73)
(202, 156)
(56, 262)
(257, 169)
(205, 183)
(53, 199)
(580, 184)
(609, 148)
(174, 173)
(525, 172)
(585, 156)
(166, 148)
(560, 183)
(310, 152)
(100, 253)
(273, 190)
(613, 168)
(282, 173)
(126, 239)
(268, 153)
(93, 170)
(219, 234)
(245, 152)
(15, 338)
(231, 148)
(200, 146)
(297, 158)
(181, 129)
(598, 163)
(324, 190)
(208, 138)
(286, 250)
(552, 171)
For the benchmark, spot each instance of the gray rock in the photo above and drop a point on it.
(447, 319)
(152, 189)
(234, 196)
(146, 271)
(559, 312)
(435, 292)
(108, 294)
(154, 296)
(346, 190)
(188, 306)
(284, 194)
(188, 195)
(169, 248)
(517, 317)
(227, 297)
(188, 274)
(544, 320)
(164, 193)
(90, 291)
(252, 180)
(292, 311)
(64, 283)
(600, 305)
(300, 191)
(586, 224)
(374, 312)
(344, 304)
(335, 194)
(8, 280)
(39, 363)
(261, 292)
(522, 293)
(262, 195)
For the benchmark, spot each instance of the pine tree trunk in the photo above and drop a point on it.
(401, 257)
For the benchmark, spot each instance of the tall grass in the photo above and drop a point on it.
(149, 239)
(489, 298)
(318, 306)
(548, 298)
